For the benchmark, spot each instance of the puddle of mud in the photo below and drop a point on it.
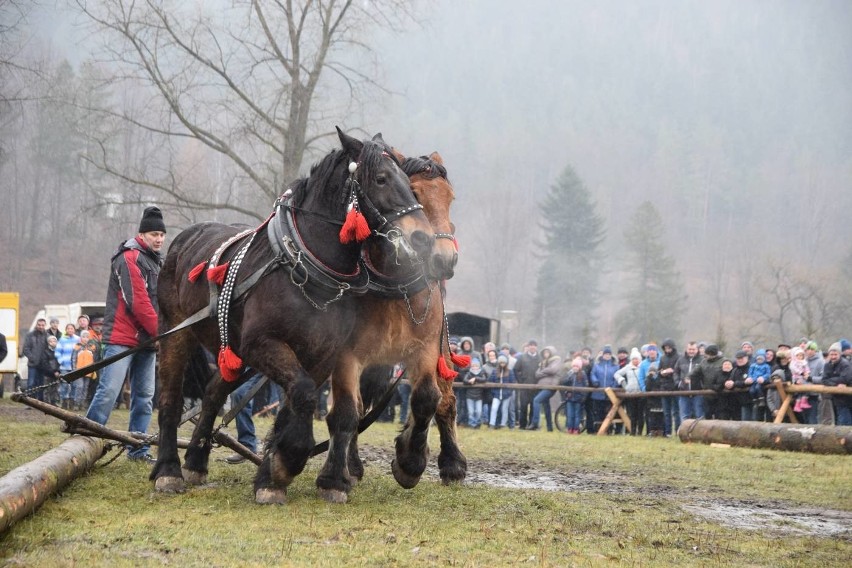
(818, 522)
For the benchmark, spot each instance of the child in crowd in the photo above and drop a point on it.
(574, 400)
(474, 376)
(501, 397)
(759, 371)
(801, 374)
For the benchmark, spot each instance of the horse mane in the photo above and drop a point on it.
(424, 166)
(332, 196)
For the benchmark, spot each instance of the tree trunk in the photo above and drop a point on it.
(813, 438)
(25, 488)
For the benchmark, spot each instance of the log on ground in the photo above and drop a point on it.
(814, 438)
(25, 488)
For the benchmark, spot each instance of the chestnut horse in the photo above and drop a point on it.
(299, 308)
(409, 329)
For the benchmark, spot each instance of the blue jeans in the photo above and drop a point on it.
(245, 425)
(573, 411)
(35, 378)
(691, 407)
(543, 397)
(513, 409)
(842, 414)
(811, 415)
(474, 412)
(670, 414)
(503, 407)
(404, 390)
(141, 367)
(75, 390)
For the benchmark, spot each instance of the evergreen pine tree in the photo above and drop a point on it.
(654, 290)
(567, 286)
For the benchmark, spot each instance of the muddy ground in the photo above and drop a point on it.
(774, 517)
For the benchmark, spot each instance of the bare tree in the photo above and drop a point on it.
(801, 302)
(258, 83)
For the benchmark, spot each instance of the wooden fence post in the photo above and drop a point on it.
(616, 408)
(786, 399)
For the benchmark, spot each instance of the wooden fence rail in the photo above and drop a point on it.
(617, 396)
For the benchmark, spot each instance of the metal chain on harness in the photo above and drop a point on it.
(431, 285)
(300, 282)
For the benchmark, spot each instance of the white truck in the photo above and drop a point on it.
(68, 313)
(9, 308)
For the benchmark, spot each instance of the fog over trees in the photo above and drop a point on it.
(731, 119)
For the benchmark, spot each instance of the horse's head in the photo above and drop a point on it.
(428, 178)
(384, 196)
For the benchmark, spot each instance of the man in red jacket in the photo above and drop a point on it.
(131, 319)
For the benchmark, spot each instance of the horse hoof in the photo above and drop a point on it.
(194, 477)
(170, 485)
(454, 473)
(267, 496)
(333, 496)
(405, 481)
(451, 479)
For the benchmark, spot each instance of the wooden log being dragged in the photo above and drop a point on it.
(25, 488)
(80, 424)
(75, 420)
(118, 435)
(813, 438)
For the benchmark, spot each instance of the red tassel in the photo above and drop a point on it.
(460, 361)
(230, 364)
(355, 227)
(217, 274)
(362, 229)
(444, 371)
(196, 272)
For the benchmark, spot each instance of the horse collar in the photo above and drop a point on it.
(320, 284)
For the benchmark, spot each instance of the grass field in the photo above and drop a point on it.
(532, 498)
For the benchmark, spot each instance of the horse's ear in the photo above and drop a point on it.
(352, 146)
(378, 137)
(436, 157)
(400, 157)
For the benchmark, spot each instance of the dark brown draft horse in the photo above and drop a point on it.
(407, 326)
(297, 315)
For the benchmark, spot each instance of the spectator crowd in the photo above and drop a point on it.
(742, 384)
(52, 352)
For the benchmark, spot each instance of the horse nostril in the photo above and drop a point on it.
(455, 259)
(421, 240)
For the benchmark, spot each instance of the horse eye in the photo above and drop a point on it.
(381, 179)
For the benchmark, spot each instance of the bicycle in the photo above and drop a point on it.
(560, 417)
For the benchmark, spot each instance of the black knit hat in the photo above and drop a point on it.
(152, 220)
